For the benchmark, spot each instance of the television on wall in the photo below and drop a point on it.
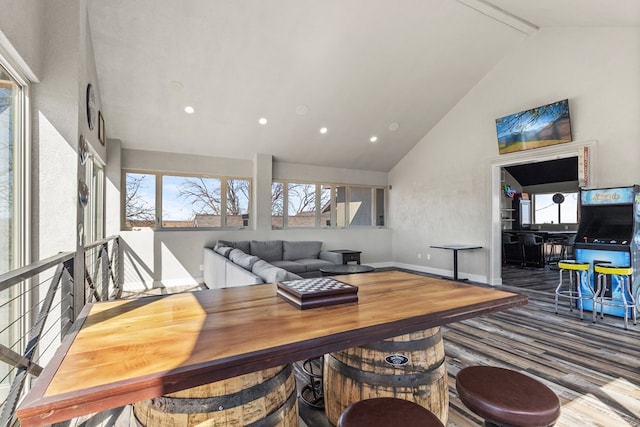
(538, 127)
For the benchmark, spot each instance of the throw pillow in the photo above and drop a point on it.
(220, 243)
(235, 254)
(268, 272)
(223, 250)
(246, 261)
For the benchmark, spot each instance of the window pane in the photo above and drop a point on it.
(277, 205)
(546, 210)
(301, 211)
(380, 207)
(140, 200)
(360, 206)
(569, 209)
(341, 206)
(549, 212)
(325, 206)
(190, 201)
(11, 303)
(238, 192)
(9, 92)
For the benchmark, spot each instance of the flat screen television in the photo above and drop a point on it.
(538, 127)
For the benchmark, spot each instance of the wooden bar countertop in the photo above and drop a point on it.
(124, 351)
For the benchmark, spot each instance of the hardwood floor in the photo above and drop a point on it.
(594, 368)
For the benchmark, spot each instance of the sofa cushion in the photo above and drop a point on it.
(244, 246)
(313, 264)
(223, 250)
(292, 266)
(268, 272)
(270, 250)
(299, 250)
(245, 261)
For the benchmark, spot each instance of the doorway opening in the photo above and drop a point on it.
(544, 160)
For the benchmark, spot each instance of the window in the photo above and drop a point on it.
(325, 205)
(140, 200)
(191, 202)
(546, 211)
(12, 147)
(94, 212)
(277, 205)
(301, 205)
(14, 217)
(185, 201)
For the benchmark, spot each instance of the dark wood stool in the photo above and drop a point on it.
(505, 397)
(385, 412)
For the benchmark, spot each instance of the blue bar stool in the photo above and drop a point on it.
(626, 300)
(574, 289)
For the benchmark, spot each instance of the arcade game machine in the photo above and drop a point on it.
(609, 232)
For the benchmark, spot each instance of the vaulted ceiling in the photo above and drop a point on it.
(359, 68)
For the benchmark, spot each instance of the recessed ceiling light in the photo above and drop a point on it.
(189, 109)
(394, 126)
(323, 130)
(262, 121)
(373, 139)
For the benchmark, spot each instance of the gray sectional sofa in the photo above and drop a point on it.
(251, 262)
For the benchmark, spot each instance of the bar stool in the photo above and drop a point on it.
(387, 411)
(626, 297)
(312, 393)
(574, 291)
(507, 398)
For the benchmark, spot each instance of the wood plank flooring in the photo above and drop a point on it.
(594, 368)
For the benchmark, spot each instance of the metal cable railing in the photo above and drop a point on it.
(37, 306)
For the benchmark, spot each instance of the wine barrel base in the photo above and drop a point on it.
(410, 367)
(262, 398)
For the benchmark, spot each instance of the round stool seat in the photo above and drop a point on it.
(621, 270)
(387, 411)
(569, 264)
(503, 396)
(626, 300)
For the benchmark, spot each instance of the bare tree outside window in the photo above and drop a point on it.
(140, 210)
(277, 205)
(238, 196)
(301, 205)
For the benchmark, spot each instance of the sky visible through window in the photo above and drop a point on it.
(547, 210)
(183, 197)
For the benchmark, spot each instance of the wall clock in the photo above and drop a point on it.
(91, 107)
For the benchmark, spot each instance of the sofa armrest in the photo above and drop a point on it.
(214, 269)
(333, 257)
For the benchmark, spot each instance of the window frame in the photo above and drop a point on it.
(559, 207)
(333, 200)
(158, 178)
(20, 248)
(21, 245)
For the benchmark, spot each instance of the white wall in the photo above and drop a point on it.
(441, 189)
(173, 257)
(58, 119)
(21, 23)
